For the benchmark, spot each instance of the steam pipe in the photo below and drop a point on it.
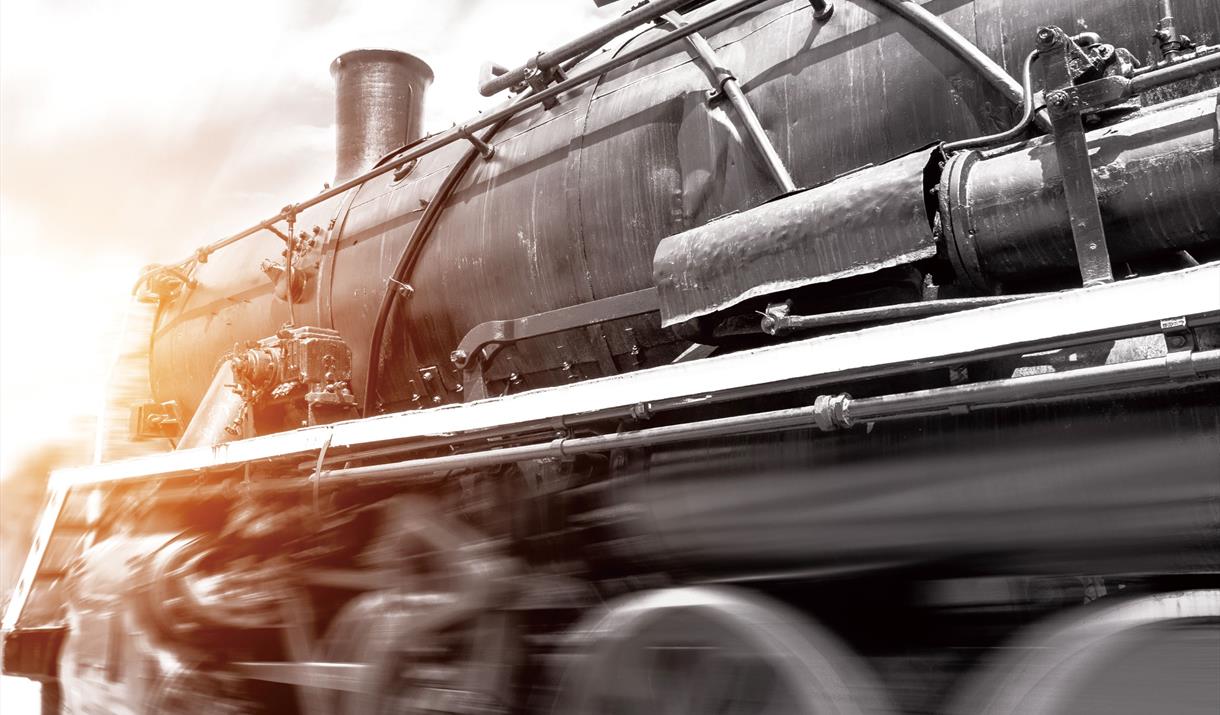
(829, 413)
(545, 61)
(1180, 69)
(1036, 388)
(1027, 115)
(776, 324)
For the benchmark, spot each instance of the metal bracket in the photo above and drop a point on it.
(538, 80)
(822, 10)
(1179, 346)
(435, 389)
(1065, 62)
(152, 419)
(486, 150)
(483, 341)
(501, 332)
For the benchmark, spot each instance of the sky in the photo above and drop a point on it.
(132, 131)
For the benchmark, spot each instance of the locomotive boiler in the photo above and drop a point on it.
(777, 356)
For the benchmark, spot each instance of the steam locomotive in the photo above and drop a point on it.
(777, 356)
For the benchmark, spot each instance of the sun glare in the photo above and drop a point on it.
(71, 310)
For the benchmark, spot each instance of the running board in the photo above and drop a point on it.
(1142, 306)
(1111, 311)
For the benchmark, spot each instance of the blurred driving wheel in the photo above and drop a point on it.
(709, 651)
(187, 691)
(1151, 654)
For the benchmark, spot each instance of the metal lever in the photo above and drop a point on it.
(1065, 62)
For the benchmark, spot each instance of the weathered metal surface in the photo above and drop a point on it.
(1156, 176)
(574, 202)
(861, 223)
(1062, 62)
(725, 84)
(379, 106)
(506, 332)
(1127, 308)
(1053, 490)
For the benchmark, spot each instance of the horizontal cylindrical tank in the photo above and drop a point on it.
(576, 198)
(1157, 181)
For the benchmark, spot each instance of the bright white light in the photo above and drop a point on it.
(135, 130)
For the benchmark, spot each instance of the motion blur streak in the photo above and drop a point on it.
(749, 356)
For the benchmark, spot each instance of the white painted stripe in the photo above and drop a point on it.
(1056, 316)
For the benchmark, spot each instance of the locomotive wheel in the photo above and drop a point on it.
(1132, 657)
(186, 691)
(719, 650)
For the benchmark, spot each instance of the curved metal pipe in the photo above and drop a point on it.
(1027, 115)
(969, 52)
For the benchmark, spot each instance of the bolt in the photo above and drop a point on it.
(458, 357)
(1176, 341)
(405, 291)
(822, 10)
(1046, 36)
(1057, 99)
(428, 375)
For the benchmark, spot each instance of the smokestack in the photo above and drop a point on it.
(379, 106)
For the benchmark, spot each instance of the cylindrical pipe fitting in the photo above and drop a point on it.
(220, 408)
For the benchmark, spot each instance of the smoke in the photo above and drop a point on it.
(147, 128)
(133, 131)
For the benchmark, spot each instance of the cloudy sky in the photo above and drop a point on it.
(133, 130)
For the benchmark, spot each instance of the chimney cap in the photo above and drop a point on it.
(410, 61)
